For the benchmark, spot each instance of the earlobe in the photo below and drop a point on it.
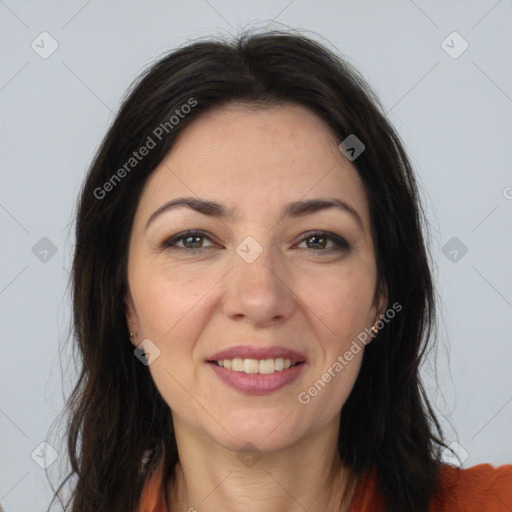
(380, 303)
(132, 323)
(381, 300)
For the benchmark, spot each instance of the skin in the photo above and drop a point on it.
(193, 304)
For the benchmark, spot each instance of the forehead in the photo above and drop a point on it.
(250, 158)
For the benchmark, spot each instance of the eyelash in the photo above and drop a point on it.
(341, 243)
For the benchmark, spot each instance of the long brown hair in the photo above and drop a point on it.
(119, 426)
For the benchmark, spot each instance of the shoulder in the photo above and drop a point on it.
(481, 488)
(477, 488)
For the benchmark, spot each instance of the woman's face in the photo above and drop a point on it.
(254, 282)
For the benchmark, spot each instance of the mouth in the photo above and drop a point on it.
(257, 370)
(261, 366)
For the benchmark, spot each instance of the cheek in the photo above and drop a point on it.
(328, 390)
(171, 311)
(171, 308)
(169, 302)
(340, 303)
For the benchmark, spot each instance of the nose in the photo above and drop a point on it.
(260, 291)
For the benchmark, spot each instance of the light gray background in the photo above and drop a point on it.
(454, 115)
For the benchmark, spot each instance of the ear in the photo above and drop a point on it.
(380, 301)
(132, 320)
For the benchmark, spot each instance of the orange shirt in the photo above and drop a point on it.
(481, 488)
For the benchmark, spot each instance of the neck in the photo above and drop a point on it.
(305, 476)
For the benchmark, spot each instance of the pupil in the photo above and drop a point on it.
(195, 245)
(317, 237)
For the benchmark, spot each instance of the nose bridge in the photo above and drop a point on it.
(256, 288)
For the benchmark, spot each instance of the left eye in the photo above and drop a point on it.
(339, 243)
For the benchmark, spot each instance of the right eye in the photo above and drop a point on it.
(191, 239)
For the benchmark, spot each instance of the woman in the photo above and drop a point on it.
(251, 224)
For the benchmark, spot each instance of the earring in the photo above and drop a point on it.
(375, 330)
(131, 335)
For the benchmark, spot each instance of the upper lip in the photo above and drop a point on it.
(251, 352)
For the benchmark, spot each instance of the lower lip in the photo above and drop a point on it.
(256, 383)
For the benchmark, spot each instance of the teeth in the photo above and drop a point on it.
(251, 366)
(262, 366)
(267, 366)
(237, 365)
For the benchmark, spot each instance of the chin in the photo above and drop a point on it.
(266, 430)
(258, 443)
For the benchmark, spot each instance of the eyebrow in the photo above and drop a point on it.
(291, 210)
